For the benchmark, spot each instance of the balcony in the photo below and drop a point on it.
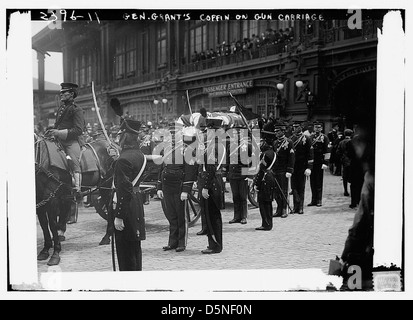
(238, 58)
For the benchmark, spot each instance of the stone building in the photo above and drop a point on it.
(310, 70)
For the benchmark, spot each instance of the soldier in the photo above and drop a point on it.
(304, 158)
(321, 156)
(264, 184)
(283, 168)
(129, 213)
(175, 180)
(68, 128)
(210, 188)
(238, 156)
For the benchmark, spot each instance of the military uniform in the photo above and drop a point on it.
(319, 143)
(237, 159)
(284, 163)
(175, 177)
(208, 179)
(304, 159)
(265, 184)
(129, 207)
(70, 124)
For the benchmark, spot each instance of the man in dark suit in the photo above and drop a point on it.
(129, 213)
(69, 126)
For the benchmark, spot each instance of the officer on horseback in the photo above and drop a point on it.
(68, 128)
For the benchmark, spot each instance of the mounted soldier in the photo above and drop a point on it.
(68, 128)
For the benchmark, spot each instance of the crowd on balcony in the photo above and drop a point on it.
(281, 38)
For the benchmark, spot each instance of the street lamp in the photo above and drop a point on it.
(156, 102)
(299, 84)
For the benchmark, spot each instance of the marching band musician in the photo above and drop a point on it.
(321, 157)
(210, 189)
(175, 181)
(129, 213)
(304, 158)
(283, 167)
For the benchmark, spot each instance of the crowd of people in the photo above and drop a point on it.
(247, 45)
(288, 153)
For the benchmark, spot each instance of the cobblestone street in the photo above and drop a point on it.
(305, 241)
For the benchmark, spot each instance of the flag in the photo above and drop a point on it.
(246, 113)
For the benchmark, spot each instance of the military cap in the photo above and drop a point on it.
(298, 123)
(279, 125)
(69, 87)
(131, 126)
(348, 132)
(317, 123)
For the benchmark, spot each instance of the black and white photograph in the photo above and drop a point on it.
(220, 152)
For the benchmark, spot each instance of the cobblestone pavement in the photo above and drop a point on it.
(297, 242)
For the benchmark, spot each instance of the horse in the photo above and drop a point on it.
(55, 198)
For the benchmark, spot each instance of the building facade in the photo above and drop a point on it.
(291, 69)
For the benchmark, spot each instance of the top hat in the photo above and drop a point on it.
(131, 126)
(68, 86)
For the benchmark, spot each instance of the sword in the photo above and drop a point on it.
(98, 113)
(285, 199)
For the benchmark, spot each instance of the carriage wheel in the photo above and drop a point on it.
(252, 196)
(101, 208)
(192, 208)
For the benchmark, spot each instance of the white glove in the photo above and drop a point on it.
(160, 194)
(119, 224)
(184, 196)
(324, 166)
(205, 193)
(288, 175)
(307, 172)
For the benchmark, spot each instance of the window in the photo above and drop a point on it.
(249, 27)
(145, 52)
(120, 58)
(76, 70)
(161, 44)
(130, 55)
(89, 69)
(198, 38)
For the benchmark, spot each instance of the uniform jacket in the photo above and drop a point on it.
(240, 154)
(208, 177)
(285, 156)
(129, 205)
(264, 179)
(320, 146)
(176, 175)
(304, 152)
(71, 118)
